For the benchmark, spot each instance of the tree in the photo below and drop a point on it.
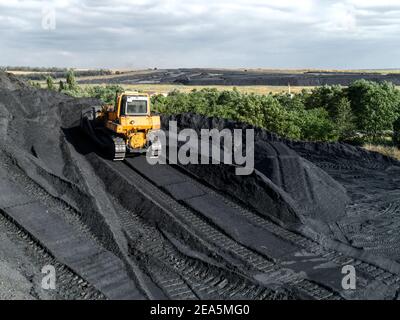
(50, 83)
(71, 81)
(396, 132)
(292, 102)
(317, 126)
(374, 105)
(343, 118)
(324, 97)
(282, 114)
(107, 94)
(279, 120)
(61, 86)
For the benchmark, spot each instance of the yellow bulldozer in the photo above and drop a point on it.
(127, 127)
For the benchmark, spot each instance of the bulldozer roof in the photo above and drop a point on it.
(134, 93)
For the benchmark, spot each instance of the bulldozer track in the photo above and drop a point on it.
(257, 262)
(69, 284)
(337, 257)
(254, 261)
(119, 148)
(54, 207)
(185, 278)
(168, 281)
(173, 285)
(198, 279)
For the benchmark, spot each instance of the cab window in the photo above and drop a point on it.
(133, 106)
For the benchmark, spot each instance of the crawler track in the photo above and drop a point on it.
(228, 266)
(262, 263)
(251, 262)
(69, 284)
(182, 277)
(119, 151)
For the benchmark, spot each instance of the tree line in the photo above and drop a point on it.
(365, 111)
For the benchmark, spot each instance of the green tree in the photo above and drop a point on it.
(279, 120)
(396, 132)
(325, 97)
(50, 83)
(105, 93)
(282, 114)
(294, 102)
(343, 118)
(317, 126)
(375, 106)
(61, 86)
(71, 81)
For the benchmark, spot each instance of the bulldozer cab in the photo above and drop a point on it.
(132, 104)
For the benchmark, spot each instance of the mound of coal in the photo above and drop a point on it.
(243, 78)
(43, 151)
(32, 120)
(341, 155)
(284, 186)
(10, 82)
(34, 129)
(47, 156)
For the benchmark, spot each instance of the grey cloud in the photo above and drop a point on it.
(192, 33)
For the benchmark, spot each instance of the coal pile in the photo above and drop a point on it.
(316, 202)
(243, 78)
(38, 162)
(284, 186)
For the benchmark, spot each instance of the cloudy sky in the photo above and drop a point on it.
(198, 33)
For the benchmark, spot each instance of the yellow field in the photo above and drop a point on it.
(166, 88)
(18, 73)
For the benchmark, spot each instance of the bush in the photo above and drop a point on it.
(279, 120)
(61, 86)
(343, 118)
(294, 102)
(50, 83)
(267, 111)
(317, 126)
(325, 97)
(104, 93)
(396, 132)
(334, 100)
(35, 84)
(71, 81)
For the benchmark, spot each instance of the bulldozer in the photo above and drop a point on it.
(125, 128)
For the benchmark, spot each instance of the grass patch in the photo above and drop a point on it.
(389, 151)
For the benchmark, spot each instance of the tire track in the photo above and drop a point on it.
(182, 277)
(69, 285)
(369, 270)
(256, 263)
